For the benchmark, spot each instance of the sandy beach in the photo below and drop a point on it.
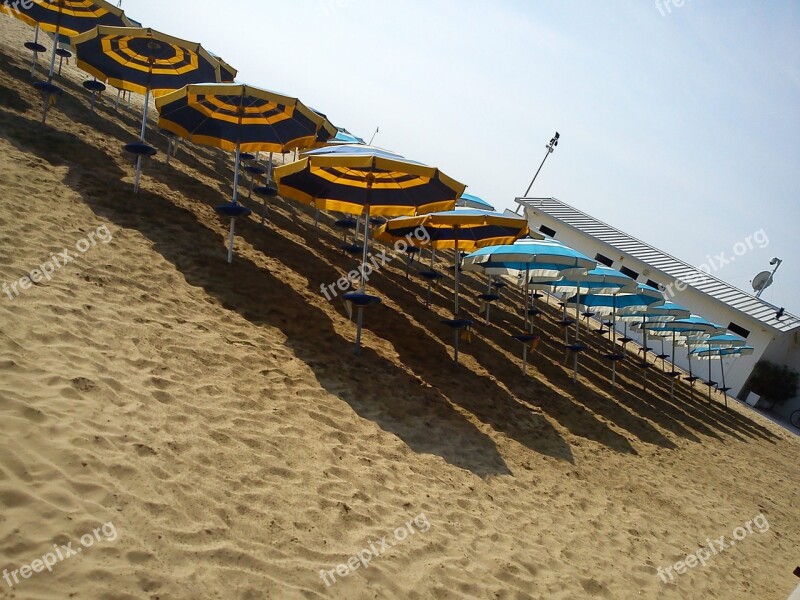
(208, 428)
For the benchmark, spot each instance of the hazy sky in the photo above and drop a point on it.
(679, 125)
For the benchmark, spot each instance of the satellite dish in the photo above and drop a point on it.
(762, 281)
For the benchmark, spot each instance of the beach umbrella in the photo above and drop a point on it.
(715, 352)
(61, 18)
(612, 304)
(532, 260)
(364, 180)
(600, 280)
(664, 313)
(683, 331)
(470, 201)
(714, 343)
(460, 229)
(237, 118)
(64, 17)
(143, 61)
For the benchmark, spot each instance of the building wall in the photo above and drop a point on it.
(738, 370)
(786, 351)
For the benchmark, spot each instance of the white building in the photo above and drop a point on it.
(775, 335)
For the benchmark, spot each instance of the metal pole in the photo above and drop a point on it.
(455, 312)
(672, 377)
(35, 53)
(141, 139)
(722, 368)
(363, 285)
(577, 330)
(550, 149)
(488, 304)
(614, 343)
(232, 233)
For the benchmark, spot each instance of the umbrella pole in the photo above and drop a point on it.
(55, 42)
(614, 343)
(269, 181)
(232, 233)
(52, 63)
(141, 139)
(672, 377)
(527, 298)
(691, 375)
(430, 282)
(455, 312)
(722, 368)
(644, 379)
(488, 304)
(363, 286)
(577, 332)
(35, 54)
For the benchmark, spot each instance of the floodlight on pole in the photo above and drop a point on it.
(551, 147)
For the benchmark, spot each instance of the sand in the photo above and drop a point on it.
(215, 419)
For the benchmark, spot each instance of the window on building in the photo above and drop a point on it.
(629, 272)
(604, 260)
(547, 231)
(739, 330)
(655, 284)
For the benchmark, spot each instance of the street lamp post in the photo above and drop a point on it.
(551, 147)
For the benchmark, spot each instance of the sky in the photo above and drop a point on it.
(679, 119)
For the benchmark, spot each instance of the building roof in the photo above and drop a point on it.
(677, 269)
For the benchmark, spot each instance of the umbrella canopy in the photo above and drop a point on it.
(228, 116)
(546, 253)
(606, 304)
(718, 342)
(143, 60)
(463, 229)
(691, 328)
(66, 17)
(714, 352)
(664, 313)
(470, 201)
(345, 137)
(227, 73)
(350, 178)
(600, 280)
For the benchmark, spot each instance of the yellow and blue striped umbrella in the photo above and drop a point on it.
(238, 118)
(461, 229)
(61, 17)
(228, 116)
(355, 179)
(66, 17)
(360, 179)
(143, 60)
